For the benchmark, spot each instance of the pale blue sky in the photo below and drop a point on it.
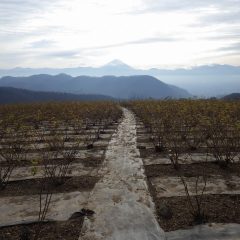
(142, 33)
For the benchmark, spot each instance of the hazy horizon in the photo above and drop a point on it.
(125, 63)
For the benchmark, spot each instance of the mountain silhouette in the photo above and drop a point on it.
(125, 87)
(15, 95)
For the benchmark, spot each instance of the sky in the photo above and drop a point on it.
(141, 33)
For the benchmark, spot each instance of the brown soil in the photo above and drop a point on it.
(87, 162)
(33, 186)
(217, 208)
(92, 162)
(66, 230)
(46, 149)
(151, 152)
(70, 138)
(191, 170)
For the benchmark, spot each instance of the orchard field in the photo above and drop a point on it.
(147, 169)
(50, 154)
(191, 155)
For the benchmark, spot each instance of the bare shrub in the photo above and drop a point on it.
(224, 144)
(13, 150)
(195, 200)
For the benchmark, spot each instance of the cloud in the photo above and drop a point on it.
(183, 5)
(14, 12)
(42, 44)
(15, 58)
(164, 32)
(62, 54)
(92, 50)
(226, 35)
(229, 17)
(235, 47)
(136, 42)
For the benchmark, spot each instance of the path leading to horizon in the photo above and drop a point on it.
(123, 207)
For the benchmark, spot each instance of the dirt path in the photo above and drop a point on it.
(123, 206)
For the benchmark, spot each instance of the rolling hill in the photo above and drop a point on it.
(15, 95)
(232, 96)
(125, 87)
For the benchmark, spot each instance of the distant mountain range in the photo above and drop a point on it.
(208, 80)
(15, 95)
(125, 87)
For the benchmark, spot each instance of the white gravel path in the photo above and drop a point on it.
(123, 206)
